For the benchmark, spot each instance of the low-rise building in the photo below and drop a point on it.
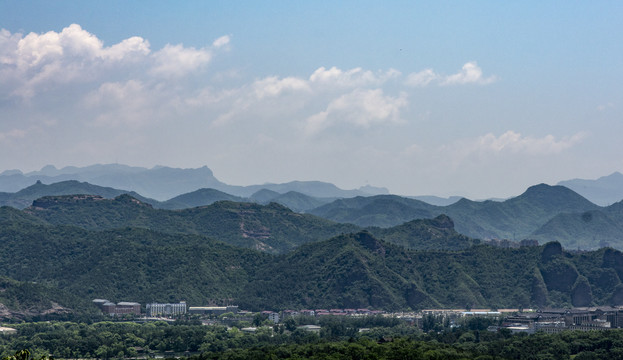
(212, 310)
(168, 310)
(122, 308)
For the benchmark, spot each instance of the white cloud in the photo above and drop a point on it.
(273, 86)
(128, 49)
(176, 60)
(421, 78)
(222, 41)
(37, 63)
(123, 103)
(470, 73)
(359, 107)
(350, 78)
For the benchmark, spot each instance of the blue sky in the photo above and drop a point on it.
(479, 99)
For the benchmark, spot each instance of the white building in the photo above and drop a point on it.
(157, 309)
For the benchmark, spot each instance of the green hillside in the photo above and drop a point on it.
(360, 271)
(125, 264)
(299, 202)
(585, 230)
(272, 228)
(425, 234)
(347, 271)
(25, 197)
(27, 301)
(201, 197)
(380, 210)
(516, 218)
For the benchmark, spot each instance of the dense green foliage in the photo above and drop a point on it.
(425, 234)
(28, 301)
(272, 228)
(521, 217)
(25, 197)
(586, 230)
(337, 340)
(380, 210)
(348, 271)
(201, 197)
(359, 270)
(126, 264)
(545, 213)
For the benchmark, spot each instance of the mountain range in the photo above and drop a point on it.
(604, 191)
(351, 270)
(162, 183)
(542, 212)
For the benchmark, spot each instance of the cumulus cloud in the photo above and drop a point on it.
(122, 104)
(273, 86)
(351, 78)
(470, 73)
(421, 78)
(176, 60)
(35, 63)
(359, 107)
(222, 41)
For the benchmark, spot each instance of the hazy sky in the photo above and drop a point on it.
(480, 99)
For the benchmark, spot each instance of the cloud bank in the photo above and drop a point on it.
(85, 101)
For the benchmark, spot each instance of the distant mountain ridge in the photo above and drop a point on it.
(163, 183)
(351, 270)
(25, 197)
(516, 219)
(604, 191)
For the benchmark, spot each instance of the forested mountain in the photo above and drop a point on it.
(425, 234)
(164, 183)
(586, 230)
(126, 264)
(25, 197)
(354, 270)
(27, 301)
(271, 228)
(358, 270)
(380, 210)
(201, 197)
(543, 212)
(293, 200)
(516, 218)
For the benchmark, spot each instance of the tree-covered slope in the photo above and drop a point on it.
(25, 197)
(22, 300)
(271, 228)
(295, 201)
(126, 264)
(358, 270)
(425, 234)
(516, 218)
(354, 270)
(201, 197)
(380, 210)
(587, 230)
